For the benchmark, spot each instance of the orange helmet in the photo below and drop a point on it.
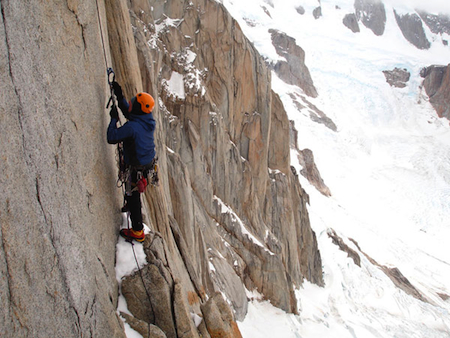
(146, 101)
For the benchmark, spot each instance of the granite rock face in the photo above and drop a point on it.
(58, 203)
(228, 213)
(351, 22)
(412, 29)
(397, 77)
(438, 24)
(306, 159)
(372, 14)
(292, 71)
(437, 86)
(317, 12)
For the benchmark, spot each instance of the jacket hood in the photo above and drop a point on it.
(145, 120)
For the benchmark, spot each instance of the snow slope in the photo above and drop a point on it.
(387, 167)
(129, 257)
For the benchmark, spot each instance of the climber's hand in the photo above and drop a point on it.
(114, 113)
(117, 90)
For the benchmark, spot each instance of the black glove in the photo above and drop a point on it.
(114, 113)
(117, 90)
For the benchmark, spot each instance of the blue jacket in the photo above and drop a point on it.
(137, 137)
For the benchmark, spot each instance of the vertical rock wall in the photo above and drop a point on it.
(372, 14)
(413, 30)
(223, 140)
(437, 85)
(58, 198)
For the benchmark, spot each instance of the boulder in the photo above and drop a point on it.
(185, 325)
(218, 318)
(145, 329)
(351, 22)
(300, 10)
(398, 77)
(317, 12)
(157, 307)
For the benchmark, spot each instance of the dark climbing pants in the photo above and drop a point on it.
(134, 203)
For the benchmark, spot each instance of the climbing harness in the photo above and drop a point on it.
(145, 175)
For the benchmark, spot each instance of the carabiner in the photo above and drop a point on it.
(110, 71)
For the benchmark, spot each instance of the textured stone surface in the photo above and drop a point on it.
(397, 77)
(437, 86)
(300, 10)
(220, 141)
(227, 280)
(301, 102)
(372, 14)
(310, 171)
(317, 12)
(185, 325)
(279, 154)
(218, 318)
(58, 201)
(351, 22)
(412, 29)
(438, 24)
(292, 71)
(344, 247)
(145, 329)
(306, 159)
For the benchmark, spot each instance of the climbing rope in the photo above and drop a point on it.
(109, 70)
(141, 275)
(101, 34)
(112, 101)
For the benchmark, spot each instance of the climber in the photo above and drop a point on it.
(138, 152)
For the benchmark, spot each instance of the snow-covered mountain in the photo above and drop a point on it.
(229, 221)
(386, 164)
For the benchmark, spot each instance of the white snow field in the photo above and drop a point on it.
(387, 166)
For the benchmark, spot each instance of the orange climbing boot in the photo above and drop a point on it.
(130, 234)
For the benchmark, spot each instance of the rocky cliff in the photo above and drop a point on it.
(437, 86)
(412, 29)
(372, 14)
(58, 201)
(228, 214)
